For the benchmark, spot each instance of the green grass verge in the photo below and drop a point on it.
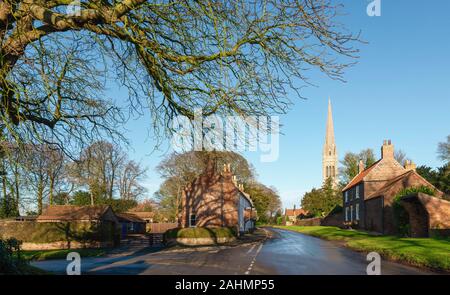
(31, 270)
(59, 254)
(425, 252)
(200, 232)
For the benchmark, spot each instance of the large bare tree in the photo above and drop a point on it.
(228, 57)
(98, 169)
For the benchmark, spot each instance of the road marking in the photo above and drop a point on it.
(251, 248)
(254, 259)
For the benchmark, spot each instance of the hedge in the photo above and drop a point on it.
(200, 232)
(48, 232)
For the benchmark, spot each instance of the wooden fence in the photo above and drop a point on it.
(162, 227)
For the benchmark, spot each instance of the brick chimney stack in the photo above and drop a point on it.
(361, 166)
(387, 150)
(410, 165)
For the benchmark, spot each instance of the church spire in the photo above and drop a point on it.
(329, 140)
(329, 155)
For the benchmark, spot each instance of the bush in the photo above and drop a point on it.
(11, 261)
(200, 232)
(280, 220)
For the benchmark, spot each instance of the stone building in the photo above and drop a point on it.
(369, 196)
(329, 153)
(216, 200)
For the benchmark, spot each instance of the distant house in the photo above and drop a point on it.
(131, 224)
(216, 200)
(369, 196)
(146, 216)
(293, 214)
(66, 213)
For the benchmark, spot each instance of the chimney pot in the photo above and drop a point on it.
(387, 150)
(410, 165)
(361, 166)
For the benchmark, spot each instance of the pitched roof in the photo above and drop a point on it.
(142, 214)
(129, 217)
(295, 212)
(72, 212)
(395, 180)
(360, 177)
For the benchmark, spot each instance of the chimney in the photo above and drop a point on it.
(361, 166)
(410, 165)
(234, 179)
(387, 150)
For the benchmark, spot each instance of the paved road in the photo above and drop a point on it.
(285, 252)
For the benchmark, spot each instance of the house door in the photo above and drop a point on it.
(124, 230)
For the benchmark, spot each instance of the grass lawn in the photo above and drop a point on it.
(60, 254)
(427, 252)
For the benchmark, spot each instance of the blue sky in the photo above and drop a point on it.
(399, 90)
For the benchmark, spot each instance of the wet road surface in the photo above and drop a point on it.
(285, 253)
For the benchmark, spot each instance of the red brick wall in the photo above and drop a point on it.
(438, 210)
(213, 198)
(374, 214)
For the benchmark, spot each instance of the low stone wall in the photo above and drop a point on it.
(309, 222)
(199, 241)
(335, 219)
(65, 245)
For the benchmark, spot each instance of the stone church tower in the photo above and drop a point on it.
(329, 155)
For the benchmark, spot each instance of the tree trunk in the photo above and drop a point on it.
(52, 183)
(92, 198)
(40, 197)
(177, 205)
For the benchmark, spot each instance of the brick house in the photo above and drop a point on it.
(368, 197)
(216, 200)
(293, 214)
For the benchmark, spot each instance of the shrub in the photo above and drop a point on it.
(280, 220)
(11, 261)
(200, 232)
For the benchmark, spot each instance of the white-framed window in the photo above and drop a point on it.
(357, 211)
(351, 213)
(346, 196)
(192, 220)
(357, 192)
(346, 213)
